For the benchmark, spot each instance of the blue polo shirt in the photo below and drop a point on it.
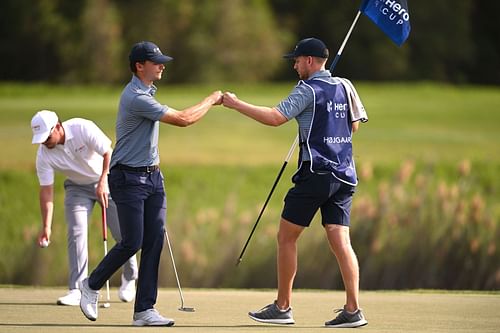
(137, 126)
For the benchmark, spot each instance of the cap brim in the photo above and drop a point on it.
(40, 137)
(161, 59)
(290, 56)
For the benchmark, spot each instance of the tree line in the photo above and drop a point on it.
(87, 41)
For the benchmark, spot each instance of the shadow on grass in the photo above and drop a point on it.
(30, 304)
(60, 325)
(90, 325)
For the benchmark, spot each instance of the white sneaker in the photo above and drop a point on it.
(151, 317)
(72, 298)
(88, 302)
(127, 290)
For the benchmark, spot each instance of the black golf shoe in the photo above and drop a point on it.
(346, 319)
(271, 314)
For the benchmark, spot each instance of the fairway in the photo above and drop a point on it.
(27, 309)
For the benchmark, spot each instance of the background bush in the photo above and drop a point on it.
(410, 229)
(88, 40)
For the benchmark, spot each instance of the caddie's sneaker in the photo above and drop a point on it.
(88, 302)
(127, 290)
(72, 298)
(271, 314)
(151, 317)
(345, 319)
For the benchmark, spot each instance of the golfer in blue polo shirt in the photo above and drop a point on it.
(136, 183)
(328, 111)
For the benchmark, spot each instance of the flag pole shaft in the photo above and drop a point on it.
(290, 152)
(341, 49)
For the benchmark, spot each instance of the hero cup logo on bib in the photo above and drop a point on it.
(339, 108)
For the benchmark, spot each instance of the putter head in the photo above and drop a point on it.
(186, 309)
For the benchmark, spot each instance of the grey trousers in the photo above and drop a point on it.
(79, 202)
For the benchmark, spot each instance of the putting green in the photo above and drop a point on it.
(29, 309)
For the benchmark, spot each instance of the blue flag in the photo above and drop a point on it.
(391, 16)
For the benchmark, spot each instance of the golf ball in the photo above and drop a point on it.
(44, 243)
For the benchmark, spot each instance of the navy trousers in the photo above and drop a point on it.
(142, 206)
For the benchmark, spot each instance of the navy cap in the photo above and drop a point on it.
(148, 51)
(309, 47)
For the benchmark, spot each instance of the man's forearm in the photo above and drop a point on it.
(106, 160)
(194, 113)
(46, 206)
(263, 114)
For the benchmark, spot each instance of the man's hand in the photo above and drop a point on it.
(263, 114)
(101, 192)
(216, 97)
(44, 237)
(230, 100)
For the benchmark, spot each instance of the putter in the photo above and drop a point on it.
(105, 239)
(182, 307)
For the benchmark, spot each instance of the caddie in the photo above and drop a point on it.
(328, 111)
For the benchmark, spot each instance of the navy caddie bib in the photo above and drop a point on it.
(329, 143)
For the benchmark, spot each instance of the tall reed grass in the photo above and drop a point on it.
(413, 226)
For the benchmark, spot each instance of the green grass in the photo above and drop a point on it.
(428, 167)
(425, 121)
(34, 310)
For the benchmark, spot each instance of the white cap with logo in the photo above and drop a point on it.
(42, 124)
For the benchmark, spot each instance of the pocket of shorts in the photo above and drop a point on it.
(346, 188)
(302, 175)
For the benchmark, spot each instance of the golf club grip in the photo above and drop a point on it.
(104, 224)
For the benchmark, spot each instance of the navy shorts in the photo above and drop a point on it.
(318, 191)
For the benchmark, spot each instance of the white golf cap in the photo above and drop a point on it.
(42, 124)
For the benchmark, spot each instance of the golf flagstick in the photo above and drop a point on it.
(294, 144)
(290, 152)
(341, 49)
(105, 240)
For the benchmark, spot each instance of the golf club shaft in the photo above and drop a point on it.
(290, 152)
(105, 240)
(175, 269)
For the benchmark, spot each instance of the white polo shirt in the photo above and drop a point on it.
(79, 159)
